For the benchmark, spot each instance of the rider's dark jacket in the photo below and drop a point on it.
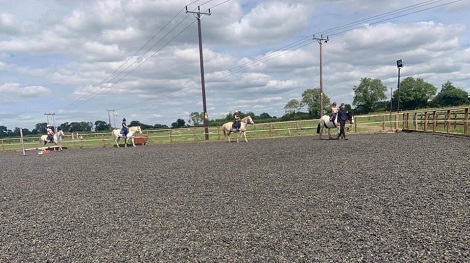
(342, 114)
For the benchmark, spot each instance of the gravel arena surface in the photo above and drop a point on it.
(400, 197)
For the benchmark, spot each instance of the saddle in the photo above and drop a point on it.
(333, 119)
(236, 126)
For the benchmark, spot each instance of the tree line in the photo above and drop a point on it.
(369, 96)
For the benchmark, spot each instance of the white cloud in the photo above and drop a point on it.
(14, 89)
(257, 55)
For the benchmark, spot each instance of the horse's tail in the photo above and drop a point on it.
(225, 132)
(318, 128)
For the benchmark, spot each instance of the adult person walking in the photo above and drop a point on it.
(342, 118)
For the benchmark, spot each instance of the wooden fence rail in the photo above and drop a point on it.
(450, 121)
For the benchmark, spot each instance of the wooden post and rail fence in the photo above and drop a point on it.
(446, 121)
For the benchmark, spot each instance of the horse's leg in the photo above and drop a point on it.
(244, 135)
(227, 135)
(321, 128)
(133, 144)
(125, 142)
(117, 141)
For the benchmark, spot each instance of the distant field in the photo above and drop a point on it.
(453, 121)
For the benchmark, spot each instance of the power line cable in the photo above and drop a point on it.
(305, 42)
(85, 97)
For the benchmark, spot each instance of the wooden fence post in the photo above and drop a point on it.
(425, 121)
(270, 129)
(434, 120)
(171, 139)
(355, 124)
(383, 122)
(448, 121)
(3, 146)
(455, 119)
(218, 133)
(465, 124)
(408, 120)
(404, 120)
(396, 122)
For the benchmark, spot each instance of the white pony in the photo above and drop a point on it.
(326, 123)
(132, 130)
(57, 138)
(227, 128)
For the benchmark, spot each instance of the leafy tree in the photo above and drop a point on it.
(264, 115)
(450, 96)
(196, 118)
(3, 131)
(311, 98)
(80, 126)
(41, 127)
(178, 124)
(101, 126)
(369, 93)
(16, 132)
(160, 126)
(292, 106)
(65, 126)
(135, 123)
(414, 93)
(249, 113)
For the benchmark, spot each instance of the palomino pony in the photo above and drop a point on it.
(326, 123)
(57, 138)
(227, 128)
(132, 130)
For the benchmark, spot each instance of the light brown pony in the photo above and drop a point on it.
(227, 128)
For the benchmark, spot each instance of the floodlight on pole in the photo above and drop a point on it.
(399, 66)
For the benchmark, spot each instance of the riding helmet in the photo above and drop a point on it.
(124, 119)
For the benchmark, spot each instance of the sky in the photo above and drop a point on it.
(93, 60)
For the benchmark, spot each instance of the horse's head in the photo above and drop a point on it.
(60, 133)
(135, 129)
(248, 120)
(350, 117)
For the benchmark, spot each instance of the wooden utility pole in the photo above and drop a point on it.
(109, 118)
(53, 121)
(198, 15)
(320, 41)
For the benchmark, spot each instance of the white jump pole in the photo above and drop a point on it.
(22, 141)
